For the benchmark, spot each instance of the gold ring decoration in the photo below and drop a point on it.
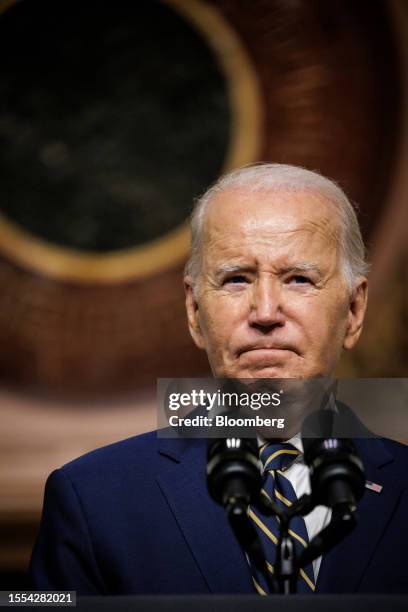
(171, 248)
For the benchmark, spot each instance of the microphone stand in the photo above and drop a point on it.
(248, 539)
(342, 522)
(287, 564)
(285, 567)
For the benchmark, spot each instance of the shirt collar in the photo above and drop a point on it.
(296, 440)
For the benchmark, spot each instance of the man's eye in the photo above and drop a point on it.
(299, 279)
(236, 279)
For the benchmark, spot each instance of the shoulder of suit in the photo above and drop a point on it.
(136, 450)
(140, 455)
(397, 449)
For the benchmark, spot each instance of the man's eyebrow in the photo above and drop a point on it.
(303, 267)
(228, 268)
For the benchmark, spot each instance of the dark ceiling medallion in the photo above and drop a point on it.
(111, 122)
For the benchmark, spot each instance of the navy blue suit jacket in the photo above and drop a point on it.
(135, 517)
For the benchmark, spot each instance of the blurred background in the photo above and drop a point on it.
(113, 118)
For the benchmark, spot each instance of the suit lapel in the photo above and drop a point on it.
(343, 568)
(202, 522)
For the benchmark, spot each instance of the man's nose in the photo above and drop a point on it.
(266, 307)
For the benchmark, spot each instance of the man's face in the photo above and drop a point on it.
(271, 300)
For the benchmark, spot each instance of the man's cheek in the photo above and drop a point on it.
(217, 342)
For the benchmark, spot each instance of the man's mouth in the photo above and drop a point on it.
(266, 349)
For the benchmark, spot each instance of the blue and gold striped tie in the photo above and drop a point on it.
(276, 457)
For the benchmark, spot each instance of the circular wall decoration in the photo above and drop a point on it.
(111, 121)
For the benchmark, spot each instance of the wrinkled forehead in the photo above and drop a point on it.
(242, 212)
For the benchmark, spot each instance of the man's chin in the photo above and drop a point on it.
(267, 372)
(268, 364)
(261, 369)
(272, 372)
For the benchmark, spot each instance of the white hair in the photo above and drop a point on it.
(282, 177)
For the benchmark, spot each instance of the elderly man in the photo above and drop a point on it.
(276, 283)
(275, 288)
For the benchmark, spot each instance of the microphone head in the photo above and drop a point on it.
(317, 426)
(233, 469)
(336, 471)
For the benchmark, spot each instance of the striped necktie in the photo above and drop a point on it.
(276, 457)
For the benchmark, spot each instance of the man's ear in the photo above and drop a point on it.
(193, 313)
(357, 309)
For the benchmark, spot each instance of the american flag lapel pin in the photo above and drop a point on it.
(373, 486)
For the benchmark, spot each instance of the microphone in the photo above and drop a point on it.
(233, 472)
(234, 480)
(336, 472)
